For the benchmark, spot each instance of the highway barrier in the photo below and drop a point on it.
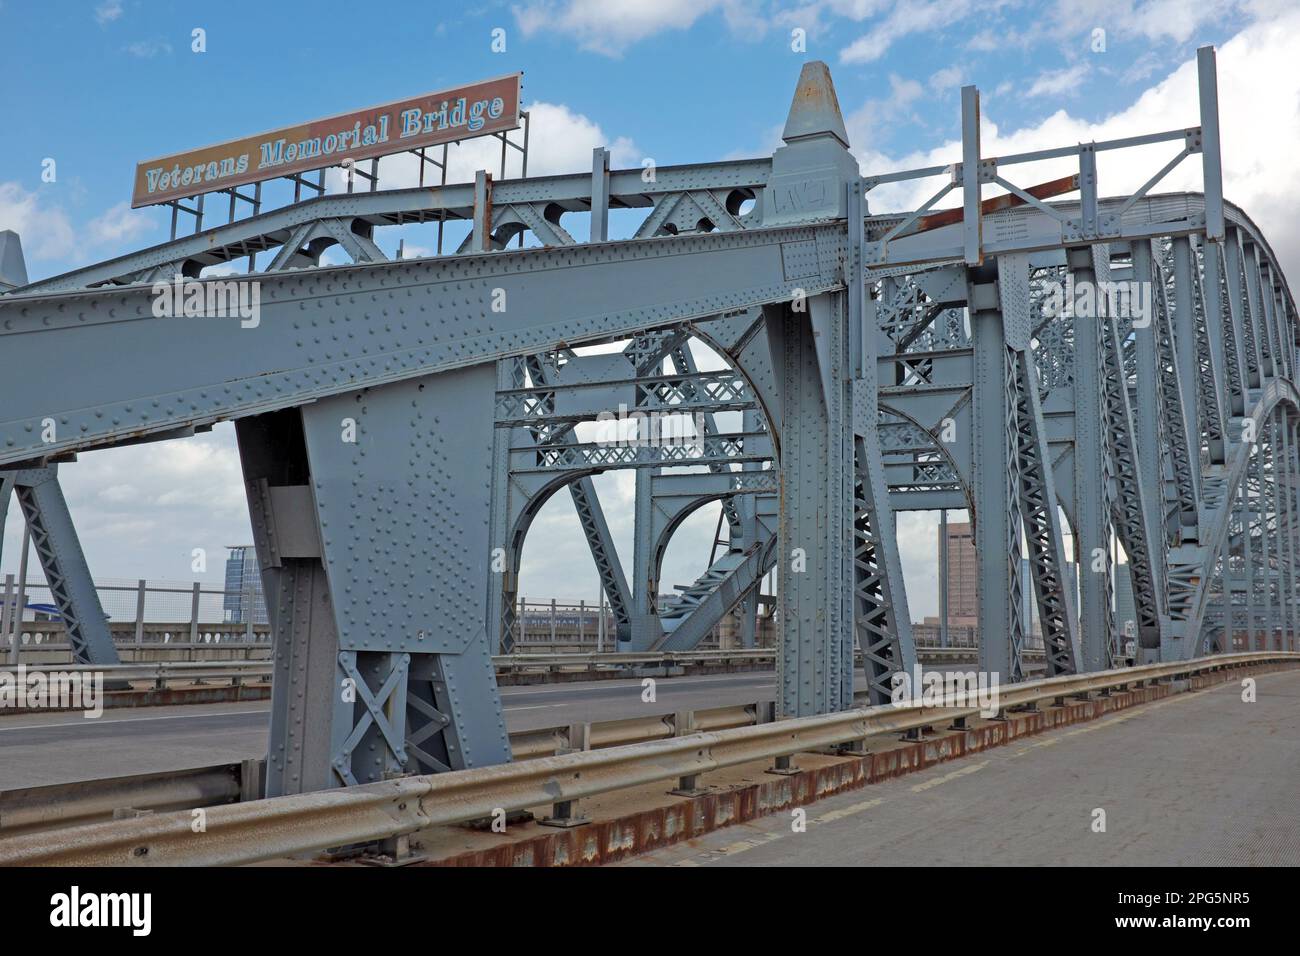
(249, 832)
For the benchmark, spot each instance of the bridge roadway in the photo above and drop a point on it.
(40, 749)
(1195, 779)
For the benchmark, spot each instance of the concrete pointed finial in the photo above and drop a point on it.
(815, 110)
(13, 272)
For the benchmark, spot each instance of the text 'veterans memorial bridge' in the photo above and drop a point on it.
(401, 422)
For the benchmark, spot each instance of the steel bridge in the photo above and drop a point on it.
(401, 422)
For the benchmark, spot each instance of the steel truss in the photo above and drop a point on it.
(401, 423)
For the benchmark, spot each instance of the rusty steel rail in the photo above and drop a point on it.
(33, 809)
(284, 826)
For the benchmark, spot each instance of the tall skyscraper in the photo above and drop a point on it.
(244, 587)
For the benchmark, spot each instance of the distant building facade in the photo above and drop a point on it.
(963, 575)
(243, 587)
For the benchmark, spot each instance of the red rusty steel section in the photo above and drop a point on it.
(1056, 187)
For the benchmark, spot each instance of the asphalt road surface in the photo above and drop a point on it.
(1201, 779)
(39, 749)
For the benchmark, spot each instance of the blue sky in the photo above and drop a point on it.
(98, 86)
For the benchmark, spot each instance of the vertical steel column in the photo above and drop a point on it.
(816, 505)
(196, 596)
(1260, 308)
(6, 610)
(1278, 569)
(810, 179)
(305, 682)
(1225, 327)
(1278, 575)
(1253, 365)
(1092, 476)
(997, 526)
(1292, 513)
(1147, 410)
(943, 577)
(1248, 510)
(1211, 163)
(646, 628)
(1265, 508)
(500, 621)
(1247, 566)
(599, 194)
(371, 513)
(481, 236)
(20, 598)
(6, 492)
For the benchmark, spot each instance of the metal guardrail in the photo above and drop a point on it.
(58, 805)
(69, 804)
(52, 806)
(160, 672)
(163, 671)
(283, 826)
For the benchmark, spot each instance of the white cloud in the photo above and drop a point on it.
(907, 18)
(48, 233)
(45, 230)
(1156, 20)
(868, 122)
(108, 11)
(118, 224)
(993, 41)
(611, 26)
(1058, 82)
(947, 78)
(147, 49)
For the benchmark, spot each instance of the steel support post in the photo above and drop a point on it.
(371, 515)
(1281, 474)
(1146, 413)
(6, 610)
(20, 597)
(943, 577)
(502, 621)
(1286, 530)
(814, 673)
(997, 513)
(1244, 507)
(1266, 504)
(1252, 364)
(6, 492)
(1260, 306)
(1279, 528)
(646, 629)
(1093, 475)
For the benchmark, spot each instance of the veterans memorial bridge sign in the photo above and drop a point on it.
(480, 109)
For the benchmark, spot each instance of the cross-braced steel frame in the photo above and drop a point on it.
(401, 423)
